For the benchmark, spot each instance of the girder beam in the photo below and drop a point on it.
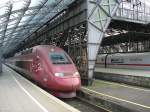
(8, 11)
(26, 5)
(22, 26)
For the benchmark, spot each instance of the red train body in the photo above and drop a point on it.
(51, 68)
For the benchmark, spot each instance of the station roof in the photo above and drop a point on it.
(20, 18)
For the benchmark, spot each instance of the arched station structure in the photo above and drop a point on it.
(78, 26)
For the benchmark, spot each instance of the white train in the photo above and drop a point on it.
(140, 61)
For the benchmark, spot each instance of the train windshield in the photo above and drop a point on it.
(59, 58)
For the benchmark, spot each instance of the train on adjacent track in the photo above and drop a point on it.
(139, 61)
(50, 67)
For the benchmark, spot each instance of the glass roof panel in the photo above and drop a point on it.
(3, 9)
(35, 2)
(18, 5)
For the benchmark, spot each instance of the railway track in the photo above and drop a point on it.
(81, 104)
(84, 105)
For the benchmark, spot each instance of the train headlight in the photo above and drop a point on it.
(59, 74)
(76, 74)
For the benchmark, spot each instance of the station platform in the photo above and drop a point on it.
(17, 94)
(132, 77)
(130, 98)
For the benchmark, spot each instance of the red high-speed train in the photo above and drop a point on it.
(51, 68)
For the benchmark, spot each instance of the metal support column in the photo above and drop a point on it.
(100, 13)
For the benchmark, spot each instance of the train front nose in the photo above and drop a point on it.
(68, 84)
(76, 83)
